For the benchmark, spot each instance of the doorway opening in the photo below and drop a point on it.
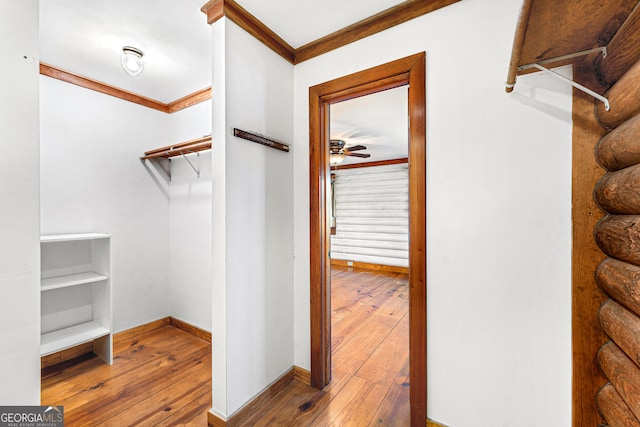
(409, 71)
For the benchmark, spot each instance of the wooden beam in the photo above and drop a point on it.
(57, 73)
(623, 374)
(621, 281)
(619, 236)
(623, 327)
(613, 408)
(617, 192)
(189, 100)
(620, 148)
(624, 97)
(386, 19)
(587, 336)
(622, 51)
(518, 42)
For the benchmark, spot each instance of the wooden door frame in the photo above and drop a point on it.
(409, 71)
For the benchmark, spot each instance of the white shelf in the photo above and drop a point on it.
(71, 280)
(69, 337)
(73, 237)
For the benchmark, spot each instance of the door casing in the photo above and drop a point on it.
(409, 71)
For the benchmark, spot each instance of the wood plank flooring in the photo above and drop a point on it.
(160, 378)
(370, 348)
(163, 377)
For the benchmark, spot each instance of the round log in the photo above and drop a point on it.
(619, 192)
(623, 375)
(623, 327)
(618, 236)
(621, 281)
(613, 408)
(620, 148)
(624, 98)
(622, 51)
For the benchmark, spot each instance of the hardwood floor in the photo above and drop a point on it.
(163, 377)
(370, 348)
(160, 378)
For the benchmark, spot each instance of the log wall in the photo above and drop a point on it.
(617, 193)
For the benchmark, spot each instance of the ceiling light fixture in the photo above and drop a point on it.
(336, 158)
(132, 60)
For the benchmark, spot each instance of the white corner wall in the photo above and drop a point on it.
(498, 217)
(252, 219)
(190, 221)
(93, 180)
(19, 213)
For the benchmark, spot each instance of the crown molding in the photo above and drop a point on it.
(384, 20)
(87, 83)
(216, 9)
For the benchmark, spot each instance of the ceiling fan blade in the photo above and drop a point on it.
(364, 156)
(356, 148)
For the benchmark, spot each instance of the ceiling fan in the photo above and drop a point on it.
(338, 151)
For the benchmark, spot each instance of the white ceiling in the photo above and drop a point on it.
(86, 37)
(378, 121)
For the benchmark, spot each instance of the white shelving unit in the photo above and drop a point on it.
(76, 293)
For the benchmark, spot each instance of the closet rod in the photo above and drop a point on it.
(173, 152)
(180, 145)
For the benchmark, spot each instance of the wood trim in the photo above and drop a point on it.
(371, 164)
(188, 327)
(431, 423)
(406, 11)
(587, 336)
(369, 266)
(518, 43)
(216, 9)
(244, 413)
(384, 20)
(142, 329)
(87, 83)
(406, 71)
(189, 100)
(302, 375)
(66, 355)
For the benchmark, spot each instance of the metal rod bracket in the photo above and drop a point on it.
(191, 164)
(576, 85)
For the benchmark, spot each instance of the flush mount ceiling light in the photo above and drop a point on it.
(132, 60)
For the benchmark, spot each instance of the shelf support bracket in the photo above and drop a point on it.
(539, 66)
(191, 164)
(576, 85)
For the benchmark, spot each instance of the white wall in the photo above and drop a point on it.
(252, 219)
(19, 215)
(498, 213)
(92, 180)
(190, 222)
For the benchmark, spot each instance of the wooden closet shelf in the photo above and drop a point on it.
(199, 144)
